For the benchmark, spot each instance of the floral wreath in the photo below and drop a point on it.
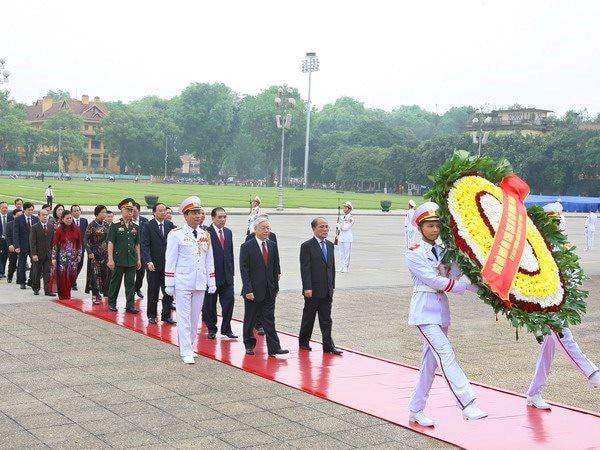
(545, 292)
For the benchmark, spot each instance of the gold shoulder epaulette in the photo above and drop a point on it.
(414, 247)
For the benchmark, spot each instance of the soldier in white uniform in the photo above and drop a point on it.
(430, 313)
(345, 238)
(189, 269)
(590, 230)
(565, 341)
(254, 213)
(409, 229)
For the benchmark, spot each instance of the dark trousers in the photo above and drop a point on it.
(49, 200)
(209, 308)
(41, 269)
(156, 283)
(266, 309)
(139, 278)
(21, 267)
(312, 306)
(12, 265)
(3, 255)
(80, 264)
(115, 285)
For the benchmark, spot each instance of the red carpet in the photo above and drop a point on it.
(382, 388)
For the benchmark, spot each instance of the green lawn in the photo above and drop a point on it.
(103, 192)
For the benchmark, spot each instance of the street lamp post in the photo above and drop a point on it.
(59, 142)
(309, 65)
(4, 74)
(285, 102)
(480, 137)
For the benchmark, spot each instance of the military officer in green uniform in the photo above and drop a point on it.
(124, 257)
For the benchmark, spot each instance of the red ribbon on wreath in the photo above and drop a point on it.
(509, 242)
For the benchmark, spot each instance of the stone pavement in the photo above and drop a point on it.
(71, 380)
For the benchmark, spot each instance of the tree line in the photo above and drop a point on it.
(351, 146)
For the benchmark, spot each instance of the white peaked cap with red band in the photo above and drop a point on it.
(425, 212)
(190, 204)
(553, 209)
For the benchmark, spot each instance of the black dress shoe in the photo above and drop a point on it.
(152, 320)
(36, 292)
(305, 347)
(169, 321)
(132, 310)
(9, 280)
(249, 351)
(260, 331)
(173, 308)
(281, 351)
(333, 351)
(212, 335)
(230, 335)
(23, 286)
(49, 294)
(97, 300)
(112, 308)
(139, 294)
(75, 288)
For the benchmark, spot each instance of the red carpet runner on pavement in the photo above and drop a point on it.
(382, 388)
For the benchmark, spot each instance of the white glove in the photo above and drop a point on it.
(212, 289)
(170, 290)
(473, 288)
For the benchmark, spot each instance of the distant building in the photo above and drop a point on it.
(189, 164)
(97, 158)
(589, 127)
(523, 120)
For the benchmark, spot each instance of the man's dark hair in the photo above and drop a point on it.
(216, 210)
(16, 211)
(315, 221)
(98, 209)
(45, 205)
(155, 206)
(137, 206)
(3, 202)
(18, 199)
(74, 206)
(27, 205)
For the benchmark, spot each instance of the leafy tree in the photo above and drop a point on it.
(65, 128)
(362, 165)
(59, 95)
(12, 129)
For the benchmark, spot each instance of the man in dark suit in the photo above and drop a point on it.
(317, 269)
(260, 269)
(272, 237)
(154, 246)
(140, 221)
(3, 243)
(82, 224)
(221, 238)
(12, 256)
(40, 241)
(21, 230)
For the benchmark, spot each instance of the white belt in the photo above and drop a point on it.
(423, 288)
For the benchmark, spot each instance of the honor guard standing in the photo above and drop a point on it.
(344, 227)
(430, 313)
(563, 340)
(124, 258)
(189, 269)
(254, 213)
(409, 229)
(590, 230)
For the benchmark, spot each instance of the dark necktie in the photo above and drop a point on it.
(324, 250)
(3, 226)
(265, 255)
(160, 227)
(195, 233)
(222, 239)
(434, 251)
(29, 222)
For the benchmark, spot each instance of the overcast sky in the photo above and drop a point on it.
(436, 54)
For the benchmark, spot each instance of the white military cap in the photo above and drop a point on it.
(553, 209)
(412, 203)
(349, 205)
(190, 204)
(424, 213)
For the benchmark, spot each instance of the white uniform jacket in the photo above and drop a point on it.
(590, 222)
(431, 280)
(345, 226)
(189, 264)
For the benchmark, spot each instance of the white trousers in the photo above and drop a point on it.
(544, 364)
(409, 235)
(189, 306)
(589, 239)
(345, 248)
(438, 352)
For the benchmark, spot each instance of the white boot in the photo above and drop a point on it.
(472, 412)
(594, 380)
(538, 402)
(188, 359)
(420, 418)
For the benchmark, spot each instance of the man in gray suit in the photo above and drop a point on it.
(40, 242)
